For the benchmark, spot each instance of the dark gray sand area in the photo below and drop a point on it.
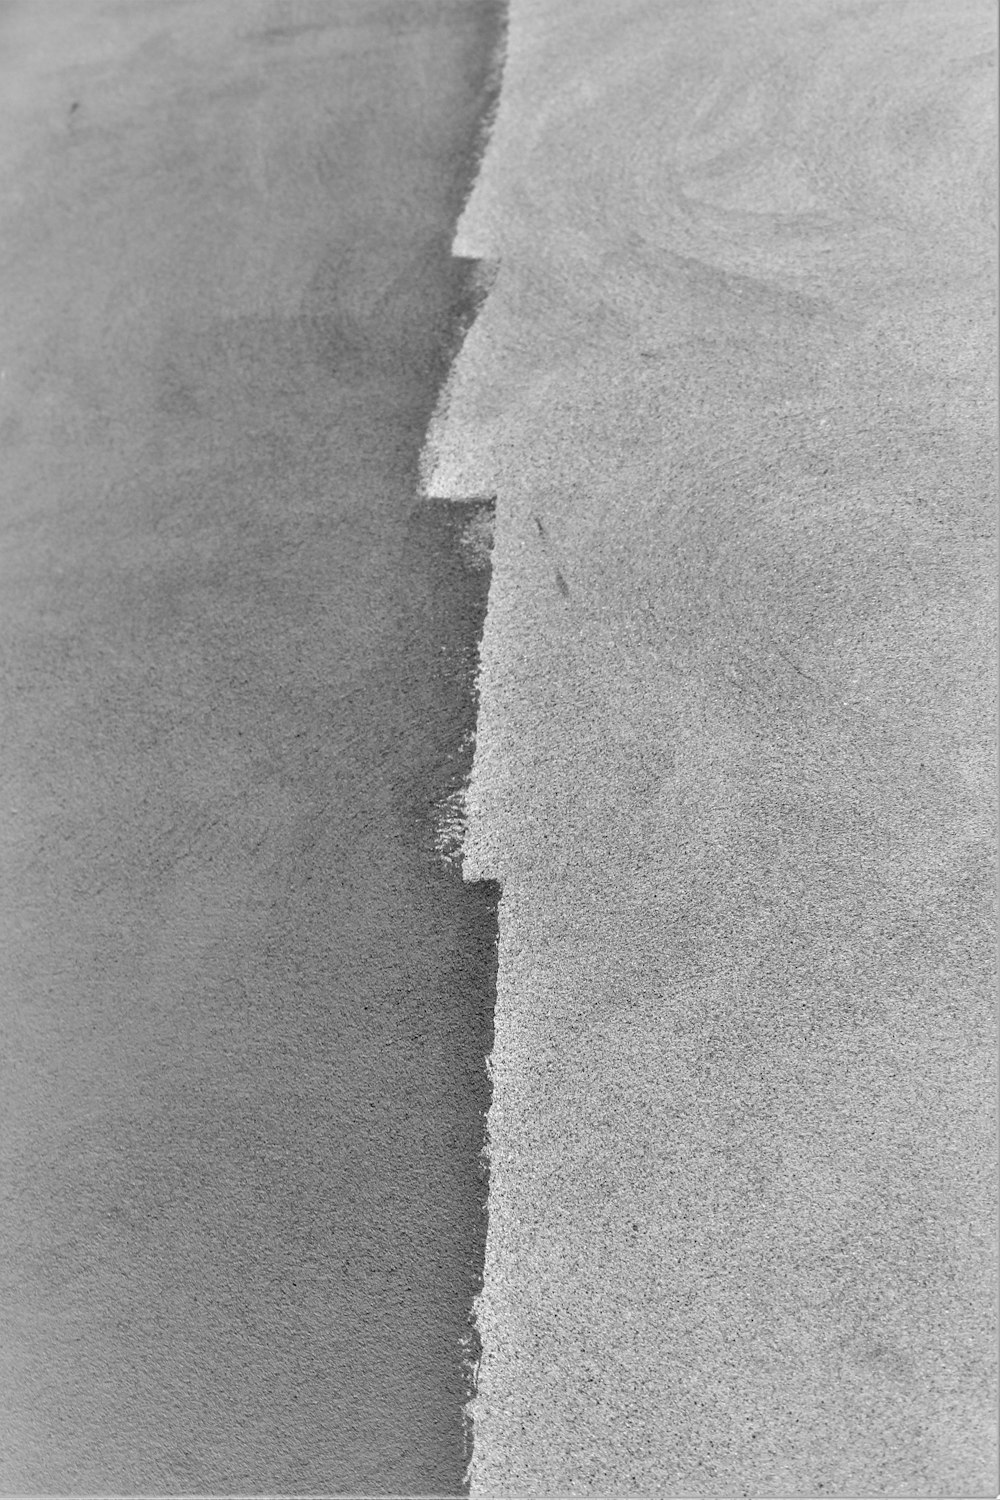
(245, 1006)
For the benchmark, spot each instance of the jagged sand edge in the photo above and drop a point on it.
(453, 466)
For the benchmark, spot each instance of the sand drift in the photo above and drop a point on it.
(733, 391)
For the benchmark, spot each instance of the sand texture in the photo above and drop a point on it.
(734, 391)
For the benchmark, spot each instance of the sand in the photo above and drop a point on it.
(734, 391)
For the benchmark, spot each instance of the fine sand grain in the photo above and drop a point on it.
(734, 391)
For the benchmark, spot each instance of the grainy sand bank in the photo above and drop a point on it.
(735, 387)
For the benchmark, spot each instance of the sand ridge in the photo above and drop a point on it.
(734, 386)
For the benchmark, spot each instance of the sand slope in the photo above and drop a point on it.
(734, 390)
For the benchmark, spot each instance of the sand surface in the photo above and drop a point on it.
(734, 390)
(244, 1005)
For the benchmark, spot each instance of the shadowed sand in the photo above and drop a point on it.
(244, 1004)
